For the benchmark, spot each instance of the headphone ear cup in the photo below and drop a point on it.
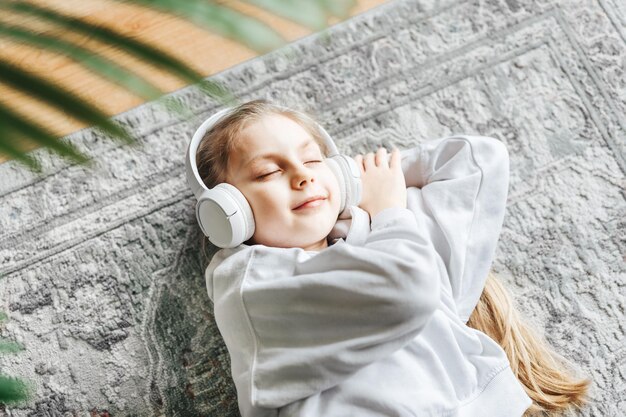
(349, 177)
(225, 216)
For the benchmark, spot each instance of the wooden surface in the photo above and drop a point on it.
(202, 50)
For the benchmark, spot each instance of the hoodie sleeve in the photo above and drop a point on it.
(464, 185)
(326, 316)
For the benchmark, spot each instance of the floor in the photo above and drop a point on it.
(207, 53)
(102, 275)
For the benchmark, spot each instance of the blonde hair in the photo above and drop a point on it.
(535, 364)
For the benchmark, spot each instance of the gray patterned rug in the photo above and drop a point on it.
(103, 274)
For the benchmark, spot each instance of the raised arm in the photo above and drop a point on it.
(464, 185)
(317, 320)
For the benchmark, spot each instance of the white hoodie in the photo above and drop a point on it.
(375, 324)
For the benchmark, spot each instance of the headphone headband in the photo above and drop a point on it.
(193, 177)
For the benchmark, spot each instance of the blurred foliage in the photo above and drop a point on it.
(217, 18)
(12, 390)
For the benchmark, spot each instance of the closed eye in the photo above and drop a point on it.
(265, 175)
(273, 172)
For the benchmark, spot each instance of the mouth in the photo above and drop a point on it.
(314, 201)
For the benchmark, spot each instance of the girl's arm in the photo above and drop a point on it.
(464, 185)
(307, 323)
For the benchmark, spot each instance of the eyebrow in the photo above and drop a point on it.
(270, 155)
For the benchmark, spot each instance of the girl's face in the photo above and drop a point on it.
(293, 170)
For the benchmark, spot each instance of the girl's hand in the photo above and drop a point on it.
(382, 181)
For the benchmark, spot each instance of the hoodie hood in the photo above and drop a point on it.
(216, 261)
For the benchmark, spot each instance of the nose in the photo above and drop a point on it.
(302, 175)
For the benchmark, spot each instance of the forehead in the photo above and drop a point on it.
(274, 129)
(271, 134)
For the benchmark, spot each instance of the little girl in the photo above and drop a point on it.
(368, 293)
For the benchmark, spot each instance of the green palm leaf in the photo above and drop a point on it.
(96, 64)
(226, 22)
(91, 60)
(68, 101)
(312, 14)
(10, 347)
(216, 18)
(138, 49)
(104, 67)
(13, 126)
(338, 8)
(12, 390)
(7, 147)
(221, 20)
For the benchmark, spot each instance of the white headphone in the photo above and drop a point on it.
(224, 214)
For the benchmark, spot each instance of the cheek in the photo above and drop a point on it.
(268, 200)
(256, 199)
(333, 185)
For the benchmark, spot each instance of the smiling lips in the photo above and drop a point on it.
(311, 202)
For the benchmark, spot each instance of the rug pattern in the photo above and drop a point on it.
(101, 269)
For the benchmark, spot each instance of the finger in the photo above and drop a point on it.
(359, 162)
(394, 160)
(368, 161)
(381, 157)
